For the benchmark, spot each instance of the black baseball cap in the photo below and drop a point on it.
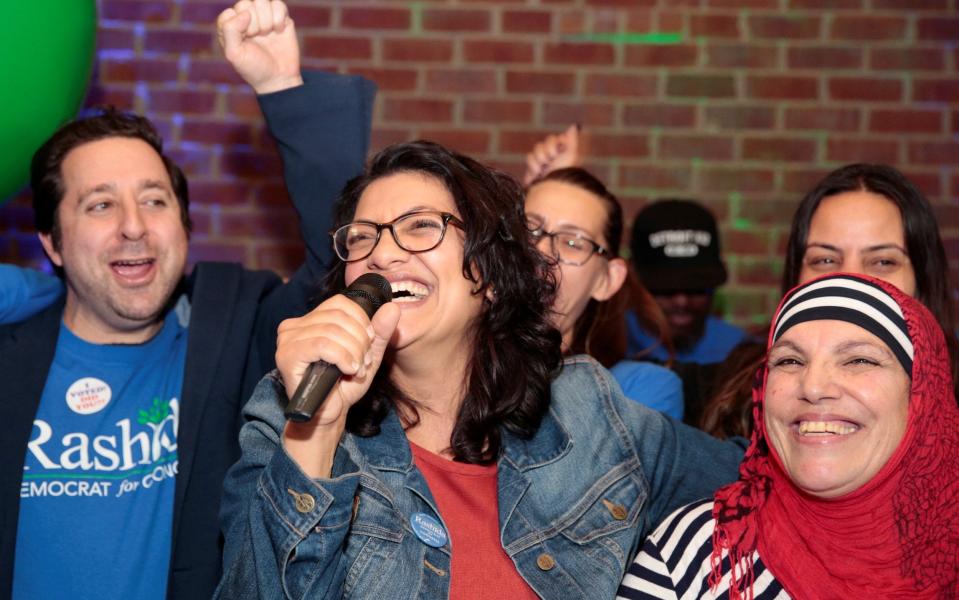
(675, 247)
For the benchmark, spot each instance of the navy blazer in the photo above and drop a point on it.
(322, 129)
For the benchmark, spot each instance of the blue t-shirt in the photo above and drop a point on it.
(25, 292)
(651, 385)
(96, 500)
(719, 338)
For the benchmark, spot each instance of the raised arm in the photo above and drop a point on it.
(321, 121)
(323, 132)
(556, 151)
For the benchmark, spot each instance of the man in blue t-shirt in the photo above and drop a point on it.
(101, 461)
(676, 252)
(122, 398)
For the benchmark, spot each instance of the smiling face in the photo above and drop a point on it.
(836, 407)
(858, 232)
(438, 306)
(686, 312)
(557, 206)
(122, 243)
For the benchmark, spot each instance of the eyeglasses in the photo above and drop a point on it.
(569, 248)
(414, 232)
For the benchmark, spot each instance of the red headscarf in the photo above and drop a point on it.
(895, 537)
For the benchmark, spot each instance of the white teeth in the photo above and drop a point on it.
(414, 291)
(132, 263)
(828, 427)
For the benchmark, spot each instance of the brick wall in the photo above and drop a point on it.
(740, 103)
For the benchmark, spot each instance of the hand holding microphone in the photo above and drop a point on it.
(329, 356)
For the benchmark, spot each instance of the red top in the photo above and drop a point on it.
(466, 497)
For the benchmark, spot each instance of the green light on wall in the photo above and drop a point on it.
(735, 206)
(651, 39)
(735, 202)
(416, 17)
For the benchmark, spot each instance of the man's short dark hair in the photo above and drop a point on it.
(46, 172)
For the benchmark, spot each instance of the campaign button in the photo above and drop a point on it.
(428, 530)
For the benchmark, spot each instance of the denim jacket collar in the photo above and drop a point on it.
(550, 443)
(390, 450)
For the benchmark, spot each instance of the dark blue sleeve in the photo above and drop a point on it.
(692, 466)
(322, 129)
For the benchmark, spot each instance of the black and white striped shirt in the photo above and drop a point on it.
(674, 563)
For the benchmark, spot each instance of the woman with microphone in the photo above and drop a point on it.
(457, 456)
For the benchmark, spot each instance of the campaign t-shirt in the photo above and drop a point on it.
(96, 499)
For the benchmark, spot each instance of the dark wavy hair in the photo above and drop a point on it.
(920, 231)
(601, 330)
(729, 411)
(46, 167)
(516, 350)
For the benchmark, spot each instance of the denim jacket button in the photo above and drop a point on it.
(618, 511)
(545, 562)
(303, 501)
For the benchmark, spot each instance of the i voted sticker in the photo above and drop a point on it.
(428, 530)
(88, 395)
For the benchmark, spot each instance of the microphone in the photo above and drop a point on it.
(370, 291)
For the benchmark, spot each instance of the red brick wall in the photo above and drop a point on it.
(740, 103)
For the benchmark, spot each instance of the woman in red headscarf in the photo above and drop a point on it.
(850, 487)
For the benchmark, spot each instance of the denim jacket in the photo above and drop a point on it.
(574, 501)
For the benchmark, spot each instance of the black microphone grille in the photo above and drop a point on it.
(372, 286)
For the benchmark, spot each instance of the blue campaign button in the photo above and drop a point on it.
(428, 530)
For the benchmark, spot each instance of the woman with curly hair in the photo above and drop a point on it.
(457, 456)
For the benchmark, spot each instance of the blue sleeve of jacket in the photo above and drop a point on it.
(682, 464)
(652, 385)
(25, 292)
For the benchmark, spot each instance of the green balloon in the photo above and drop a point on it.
(46, 56)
